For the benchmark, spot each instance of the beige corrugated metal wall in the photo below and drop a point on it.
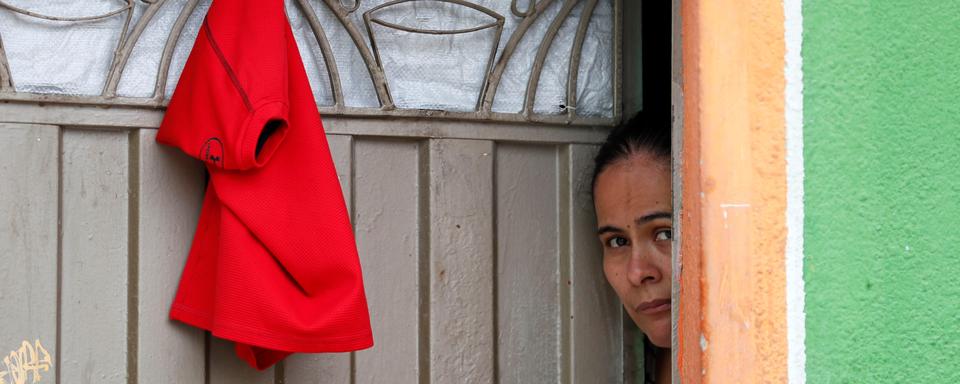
(476, 242)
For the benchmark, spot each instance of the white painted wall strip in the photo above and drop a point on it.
(793, 72)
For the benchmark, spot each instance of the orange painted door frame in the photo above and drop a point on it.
(730, 187)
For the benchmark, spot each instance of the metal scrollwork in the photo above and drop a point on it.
(497, 24)
(370, 55)
(128, 4)
(349, 10)
(531, 8)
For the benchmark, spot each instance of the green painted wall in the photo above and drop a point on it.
(882, 203)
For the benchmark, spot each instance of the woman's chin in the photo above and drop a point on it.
(658, 331)
(660, 340)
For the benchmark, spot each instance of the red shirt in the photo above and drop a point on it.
(273, 265)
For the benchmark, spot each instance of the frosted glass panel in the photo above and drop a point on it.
(447, 55)
(311, 55)
(441, 70)
(61, 57)
(552, 87)
(592, 97)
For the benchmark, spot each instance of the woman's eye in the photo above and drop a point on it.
(664, 235)
(616, 242)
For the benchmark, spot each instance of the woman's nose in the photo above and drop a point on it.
(641, 269)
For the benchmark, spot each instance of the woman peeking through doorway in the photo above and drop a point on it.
(632, 195)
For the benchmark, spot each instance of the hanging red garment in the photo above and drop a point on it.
(273, 266)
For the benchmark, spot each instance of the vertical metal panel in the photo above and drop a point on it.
(324, 368)
(169, 190)
(527, 264)
(461, 261)
(595, 318)
(386, 188)
(94, 285)
(29, 182)
(327, 368)
(467, 252)
(227, 368)
(341, 149)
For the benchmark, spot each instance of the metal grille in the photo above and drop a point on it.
(543, 61)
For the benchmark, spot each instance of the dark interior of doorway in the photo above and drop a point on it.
(656, 69)
(647, 61)
(647, 82)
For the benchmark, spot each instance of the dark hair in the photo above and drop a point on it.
(633, 136)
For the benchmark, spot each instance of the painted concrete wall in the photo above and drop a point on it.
(732, 323)
(882, 191)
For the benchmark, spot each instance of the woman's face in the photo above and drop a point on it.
(632, 198)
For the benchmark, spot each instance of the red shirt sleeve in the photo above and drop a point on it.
(223, 103)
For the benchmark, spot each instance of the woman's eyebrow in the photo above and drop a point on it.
(608, 228)
(653, 216)
(640, 220)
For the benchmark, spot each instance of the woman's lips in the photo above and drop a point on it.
(653, 307)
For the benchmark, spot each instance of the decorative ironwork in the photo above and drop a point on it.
(128, 5)
(6, 81)
(534, 79)
(575, 55)
(122, 54)
(490, 89)
(498, 24)
(168, 48)
(376, 72)
(531, 5)
(332, 71)
(371, 57)
(349, 10)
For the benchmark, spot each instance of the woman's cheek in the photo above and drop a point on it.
(666, 259)
(608, 271)
(615, 272)
(612, 273)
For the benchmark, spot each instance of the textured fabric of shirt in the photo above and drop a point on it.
(273, 265)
